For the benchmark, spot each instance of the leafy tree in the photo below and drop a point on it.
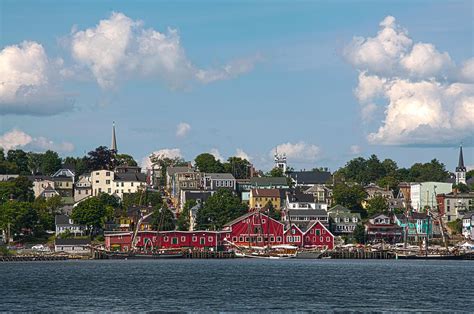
(80, 164)
(20, 216)
(92, 212)
(455, 226)
(219, 209)
(50, 162)
(147, 199)
(20, 158)
(238, 167)
(388, 181)
(272, 212)
(109, 200)
(162, 163)
(431, 171)
(101, 158)
(377, 205)
(359, 234)
(34, 162)
(349, 196)
(461, 187)
(184, 216)
(469, 174)
(163, 219)
(276, 172)
(124, 159)
(208, 163)
(19, 189)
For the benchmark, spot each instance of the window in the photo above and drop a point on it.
(79, 192)
(202, 241)
(289, 239)
(131, 184)
(128, 190)
(272, 239)
(241, 239)
(324, 231)
(174, 240)
(96, 181)
(122, 183)
(109, 190)
(259, 239)
(321, 239)
(278, 239)
(195, 239)
(328, 239)
(165, 239)
(107, 181)
(263, 221)
(234, 239)
(209, 239)
(183, 239)
(293, 231)
(100, 190)
(318, 232)
(117, 184)
(96, 173)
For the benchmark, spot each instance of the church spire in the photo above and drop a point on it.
(460, 166)
(114, 140)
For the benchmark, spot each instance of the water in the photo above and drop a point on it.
(237, 285)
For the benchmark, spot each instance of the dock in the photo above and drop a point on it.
(33, 258)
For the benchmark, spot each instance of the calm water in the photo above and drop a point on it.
(237, 285)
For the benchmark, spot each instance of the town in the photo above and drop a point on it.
(104, 205)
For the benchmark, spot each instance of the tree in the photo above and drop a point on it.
(272, 212)
(432, 171)
(19, 189)
(80, 164)
(349, 196)
(208, 163)
(276, 172)
(20, 159)
(19, 217)
(461, 187)
(101, 158)
(238, 167)
(147, 199)
(124, 159)
(163, 219)
(219, 209)
(50, 162)
(183, 222)
(161, 162)
(34, 162)
(92, 213)
(455, 226)
(359, 234)
(469, 174)
(377, 205)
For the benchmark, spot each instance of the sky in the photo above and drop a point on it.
(322, 81)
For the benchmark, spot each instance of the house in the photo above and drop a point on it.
(65, 224)
(49, 192)
(83, 187)
(269, 183)
(125, 179)
(374, 190)
(64, 185)
(8, 177)
(260, 197)
(416, 225)
(215, 181)
(454, 205)
(40, 183)
(468, 225)
(423, 194)
(64, 172)
(254, 229)
(342, 220)
(199, 196)
(186, 181)
(72, 246)
(381, 228)
(302, 217)
(310, 178)
(172, 184)
(321, 193)
(297, 200)
(318, 236)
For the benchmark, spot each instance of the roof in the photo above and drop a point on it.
(220, 176)
(343, 214)
(307, 212)
(265, 193)
(173, 170)
(301, 197)
(338, 208)
(311, 177)
(201, 195)
(130, 176)
(61, 220)
(460, 166)
(73, 241)
(266, 181)
(468, 215)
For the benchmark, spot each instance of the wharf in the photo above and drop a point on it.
(209, 254)
(359, 254)
(32, 258)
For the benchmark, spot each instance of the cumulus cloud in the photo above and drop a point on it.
(240, 153)
(298, 152)
(27, 81)
(171, 153)
(182, 129)
(426, 98)
(122, 47)
(215, 152)
(16, 139)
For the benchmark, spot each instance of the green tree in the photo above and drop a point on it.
(163, 219)
(101, 158)
(124, 159)
(455, 226)
(469, 174)
(431, 171)
(461, 187)
(34, 162)
(21, 217)
(19, 189)
(219, 209)
(240, 168)
(276, 172)
(272, 212)
(377, 205)
(183, 222)
(80, 164)
(359, 234)
(147, 199)
(20, 159)
(349, 196)
(50, 162)
(92, 212)
(208, 163)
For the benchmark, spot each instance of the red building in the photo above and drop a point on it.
(318, 236)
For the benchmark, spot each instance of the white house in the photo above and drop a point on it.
(468, 225)
(65, 224)
(72, 246)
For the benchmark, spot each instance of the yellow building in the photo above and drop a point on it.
(260, 197)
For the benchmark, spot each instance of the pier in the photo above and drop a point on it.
(33, 258)
(209, 254)
(359, 254)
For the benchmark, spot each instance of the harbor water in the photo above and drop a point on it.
(237, 285)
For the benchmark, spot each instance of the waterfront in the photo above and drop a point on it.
(237, 285)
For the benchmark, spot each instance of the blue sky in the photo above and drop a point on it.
(279, 73)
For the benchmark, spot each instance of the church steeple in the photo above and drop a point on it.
(114, 140)
(460, 169)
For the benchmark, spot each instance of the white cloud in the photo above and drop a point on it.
(27, 81)
(120, 45)
(161, 154)
(215, 152)
(355, 149)
(298, 152)
(240, 153)
(16, 139)
(182, 129)
(426, 100)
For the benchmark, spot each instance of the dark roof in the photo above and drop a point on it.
(307, 212)
(468, 215)
(72, 241)
(301, 197)
(61, 220)
(338, 208)
(188, 195)
(460, 166)
(311, 177)
(266, 181)
(173, 170)
(130, 176)
(220, 176)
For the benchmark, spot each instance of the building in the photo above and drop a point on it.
(260, 197)
(83, 187)
(303, 217)
(416, 226)
(374, 190)
(280, 161)
(199, 196)
(49, 192)
(269, 183)
(298, 200)
(72, 246)
(8, 177)
(64, 172)
(468, 225)
(215, 181)
(310, 178)
(423, 194)
(454, 205)
(342, 220)
(40, 183)
(321, 193)
(461, 169)
(65, 224)
(124, 179)
(175, 175)
(381, 228)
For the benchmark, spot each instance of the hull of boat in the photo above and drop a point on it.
(113, 255)
(308, 255)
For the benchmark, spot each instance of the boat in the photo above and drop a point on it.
(309, 254)
(282, 251)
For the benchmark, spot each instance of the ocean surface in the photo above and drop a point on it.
(237, 285)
